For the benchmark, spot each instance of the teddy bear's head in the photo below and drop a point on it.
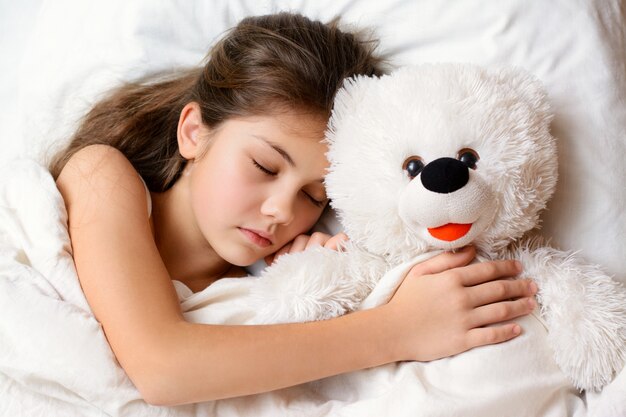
(437, 156)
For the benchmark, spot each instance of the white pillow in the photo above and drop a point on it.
(578, 48)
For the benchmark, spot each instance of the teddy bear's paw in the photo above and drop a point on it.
(585, 312)
(306, 286)
(592, 364)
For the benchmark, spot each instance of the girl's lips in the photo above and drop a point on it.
(256, 238)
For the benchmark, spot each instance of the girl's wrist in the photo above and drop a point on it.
(391, 338)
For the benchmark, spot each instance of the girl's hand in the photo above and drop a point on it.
(444, 305)
(302, 242)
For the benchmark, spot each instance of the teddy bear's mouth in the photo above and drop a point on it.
(450, 232)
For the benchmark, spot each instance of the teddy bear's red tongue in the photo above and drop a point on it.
(450, 231)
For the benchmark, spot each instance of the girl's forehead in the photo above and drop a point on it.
(298, 138)
(303, 124)
(285, 127)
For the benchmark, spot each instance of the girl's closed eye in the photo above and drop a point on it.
(318, 203)
(270, 172)
(263, 169)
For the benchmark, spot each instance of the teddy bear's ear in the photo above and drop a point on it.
(526, 87)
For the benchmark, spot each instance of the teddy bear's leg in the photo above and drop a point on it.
(316, 284)
(585, 313)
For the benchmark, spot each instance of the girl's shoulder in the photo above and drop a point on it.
(97, 160)
(100, 176)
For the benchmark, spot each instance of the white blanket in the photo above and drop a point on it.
(54, 358)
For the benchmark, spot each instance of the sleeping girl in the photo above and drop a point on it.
(195, 176)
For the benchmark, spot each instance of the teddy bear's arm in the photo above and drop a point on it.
(315, 284)
(584, 310)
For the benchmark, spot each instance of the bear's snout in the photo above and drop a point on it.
(445, 175)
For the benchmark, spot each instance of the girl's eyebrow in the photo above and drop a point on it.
(278, 149)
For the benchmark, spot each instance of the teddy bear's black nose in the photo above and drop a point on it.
(445, 175)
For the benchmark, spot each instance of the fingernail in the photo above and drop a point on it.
(531, 303)
(516, 329)
(518, 266)
(532, 287)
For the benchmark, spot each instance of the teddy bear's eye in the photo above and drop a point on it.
(413, 165)
(469, 157)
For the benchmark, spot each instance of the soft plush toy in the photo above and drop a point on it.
(433, 158)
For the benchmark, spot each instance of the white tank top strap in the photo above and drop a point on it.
(148, 198)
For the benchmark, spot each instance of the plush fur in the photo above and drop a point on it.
(434, 114)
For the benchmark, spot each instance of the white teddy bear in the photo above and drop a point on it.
(433, 158)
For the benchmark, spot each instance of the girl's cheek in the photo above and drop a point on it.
(233, 193)
(242, 189)
(308, 216)
(218, 190)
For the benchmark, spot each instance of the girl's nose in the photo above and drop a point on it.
(280, 207)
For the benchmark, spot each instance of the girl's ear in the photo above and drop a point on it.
(190, 129)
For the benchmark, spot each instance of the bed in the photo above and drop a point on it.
(59, 56)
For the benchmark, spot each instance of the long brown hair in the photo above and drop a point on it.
(267, 62)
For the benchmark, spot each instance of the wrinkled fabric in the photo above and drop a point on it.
(54, 358)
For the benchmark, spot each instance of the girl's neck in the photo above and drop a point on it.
(187, 255)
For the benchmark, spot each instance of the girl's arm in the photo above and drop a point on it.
(175, 362)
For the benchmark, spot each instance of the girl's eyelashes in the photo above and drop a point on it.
(263, 169)
(316, 202)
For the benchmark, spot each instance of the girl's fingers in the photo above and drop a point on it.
(499, 312)
(333, 242)
(316, 239)
(323, 239)
(489, 335)
(302, 242)
(299, 243)
(445, 261)
(500, 290)
(488, 271)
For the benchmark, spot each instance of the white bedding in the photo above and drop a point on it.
(58, 55)
(55, 361)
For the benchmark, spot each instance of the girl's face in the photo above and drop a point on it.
(259, 184)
